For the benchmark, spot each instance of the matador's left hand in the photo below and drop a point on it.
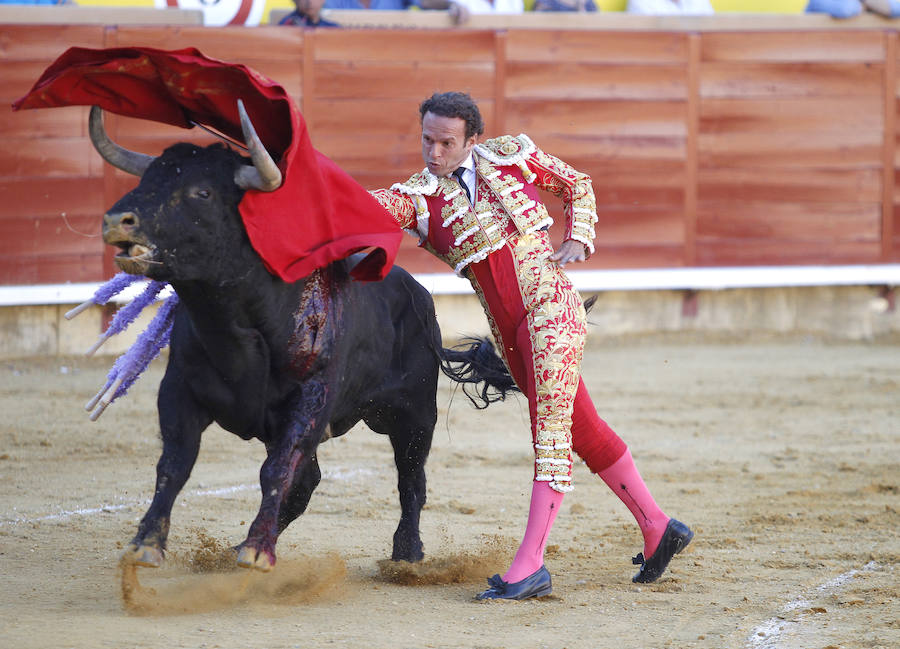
(569, 251)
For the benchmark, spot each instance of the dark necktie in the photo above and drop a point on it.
(458, 174)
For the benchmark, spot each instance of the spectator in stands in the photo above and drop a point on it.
(376, 5)
(670, 7)
(887, 8)
(306, 14)
(564, 5)
(460, 10)
(835, 8)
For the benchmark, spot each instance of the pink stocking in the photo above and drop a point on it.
(545, 504)
(625, 481)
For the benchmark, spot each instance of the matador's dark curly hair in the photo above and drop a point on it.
(455, 104)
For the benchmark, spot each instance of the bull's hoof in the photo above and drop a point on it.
(249, 557)
(143, 555)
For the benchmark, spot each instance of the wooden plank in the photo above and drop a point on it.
(385, 117)
(63, 122)
(799, 185)
(638, 256)
(829, 222)
(796, 116)
(51, 236)
(634, 183)
(408, 80)
(795, 79)
(853, 149)
(555, 81)
(360, 153)
(46, 42)
(41, 196)
(597, 118)
(397, 117)
(239, 44)
(610, 149)
(629, 225)
(41, 156)
(28, 269)
(807, 46)
(360, 45)
(561, 46)
(743, 252)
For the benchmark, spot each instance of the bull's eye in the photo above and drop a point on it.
(202, 193)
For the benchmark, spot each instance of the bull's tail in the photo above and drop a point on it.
(475, 365)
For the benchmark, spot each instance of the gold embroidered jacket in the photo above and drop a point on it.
(509, 170)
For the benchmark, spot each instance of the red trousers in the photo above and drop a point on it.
(538, 321)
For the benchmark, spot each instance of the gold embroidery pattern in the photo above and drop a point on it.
(401, 207)
(506, 149)
(576, 191)
(557, 325)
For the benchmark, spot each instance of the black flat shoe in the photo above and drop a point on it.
(536, 584)
(674, 540)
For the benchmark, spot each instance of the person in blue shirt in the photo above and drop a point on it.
(377, 5)
(306, 14)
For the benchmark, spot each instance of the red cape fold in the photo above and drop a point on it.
(318, 215)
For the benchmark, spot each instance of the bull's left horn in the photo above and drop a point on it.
(129, 161)
(264, 175)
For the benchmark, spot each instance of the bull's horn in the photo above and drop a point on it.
(264, 175)
(129, 161)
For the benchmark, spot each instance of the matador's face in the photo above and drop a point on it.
(444, 143)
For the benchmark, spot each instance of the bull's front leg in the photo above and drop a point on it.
(181, 424)
(297, 442)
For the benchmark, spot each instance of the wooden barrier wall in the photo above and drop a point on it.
(706, 148)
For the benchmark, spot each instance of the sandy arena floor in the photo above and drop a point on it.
(783, 456)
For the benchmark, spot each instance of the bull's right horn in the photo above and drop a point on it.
(264, 175)
(128, 161)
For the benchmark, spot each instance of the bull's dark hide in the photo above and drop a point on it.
(288, 364)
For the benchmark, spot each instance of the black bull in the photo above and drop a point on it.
(288, 364)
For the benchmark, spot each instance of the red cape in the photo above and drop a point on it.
(319, 214)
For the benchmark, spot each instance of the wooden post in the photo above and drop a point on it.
(890, 145)
(308, 79)
(499, 126)
(691, 163)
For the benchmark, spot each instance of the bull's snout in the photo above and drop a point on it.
(135, 252)
(122, 221)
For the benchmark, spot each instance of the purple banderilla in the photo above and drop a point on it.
(130, 365)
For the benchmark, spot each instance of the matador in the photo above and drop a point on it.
(477, 207)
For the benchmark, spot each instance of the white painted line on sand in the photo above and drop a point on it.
(11, 519)
(768, 635)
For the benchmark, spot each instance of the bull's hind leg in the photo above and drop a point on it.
(411, 440)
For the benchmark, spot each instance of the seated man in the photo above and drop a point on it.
(377, 5)
(564, 5)
(306, 14)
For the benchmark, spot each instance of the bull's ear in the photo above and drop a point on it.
(264, 175)
(129, 161)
